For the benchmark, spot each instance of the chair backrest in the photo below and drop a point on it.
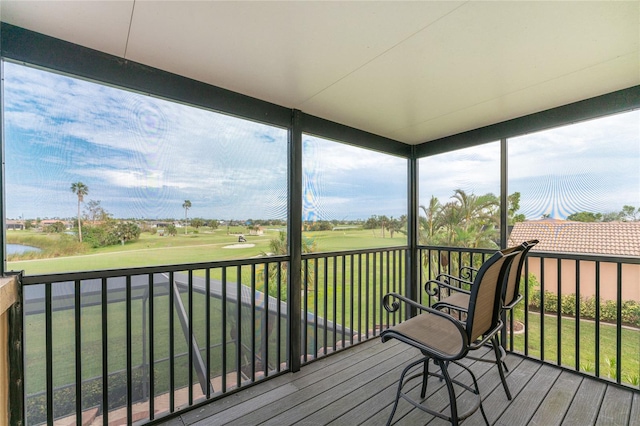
(485, 300)
(512, 288)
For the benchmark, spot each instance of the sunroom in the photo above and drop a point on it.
(204, 204)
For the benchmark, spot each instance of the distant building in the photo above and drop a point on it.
(620, 239)
(14, 225)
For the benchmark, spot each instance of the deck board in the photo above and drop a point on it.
(524, 407)
(615, 408)
(634, 418)
(558, 400)
(358, 386)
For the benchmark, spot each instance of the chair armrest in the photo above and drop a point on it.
(487, 336)
(514, 303)
(395, 305)
(443, 277)
(467, 272)
(427, 287)
(445, 305)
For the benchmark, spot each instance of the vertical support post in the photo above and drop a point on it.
(504, 221)
(504, 194)
(412, 265)
(295, 239)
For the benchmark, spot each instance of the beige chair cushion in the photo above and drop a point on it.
(433, 331)
(458, 299)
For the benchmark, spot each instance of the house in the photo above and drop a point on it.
(13, 225)
(612, 239)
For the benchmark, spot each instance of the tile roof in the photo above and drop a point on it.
(612, 238)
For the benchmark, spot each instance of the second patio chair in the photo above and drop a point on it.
(511, 296)
(445, 339)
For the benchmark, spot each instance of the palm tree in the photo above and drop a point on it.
(186, 206)
(80, 189)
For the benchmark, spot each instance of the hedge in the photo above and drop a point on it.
(608, 308)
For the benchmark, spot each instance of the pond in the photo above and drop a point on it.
(19, 249)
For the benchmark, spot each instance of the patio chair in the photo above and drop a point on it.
(445, 339)
(459, 300)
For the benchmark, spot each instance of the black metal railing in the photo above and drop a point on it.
(580, 311)
(342, 294)
(140, 344)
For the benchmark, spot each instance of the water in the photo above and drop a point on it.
(19, 249)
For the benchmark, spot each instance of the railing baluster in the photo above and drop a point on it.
(559, 312)
(238, 333)
(129, 351)
(171, 347)
(366, 297)
(152, 391)
(351, 303)
(279, 312)
(264, 332)
(105, 353)
(315, 308)
(207, 327)
(78, 347)
(253, 323)
(394, 282)
(190, 332)
(619, 324)
(527, 301)
(49, 350)
(577, 310)
(386, 254)
(305, 309)
(343, 318)
(542, 309)
(335, 301)
(223, 309)
(374, 291)
(597, 303)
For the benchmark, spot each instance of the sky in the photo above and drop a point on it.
(589, 166)
(142, 157)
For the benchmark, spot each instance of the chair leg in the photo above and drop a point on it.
(452, 394)
(425, 376)
(400, 385)
(499, 363)
(477, 392)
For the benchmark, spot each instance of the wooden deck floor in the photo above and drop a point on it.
(357, 387)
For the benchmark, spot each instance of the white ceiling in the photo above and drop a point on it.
(411, 71)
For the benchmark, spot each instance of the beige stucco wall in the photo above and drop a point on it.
(587, 278)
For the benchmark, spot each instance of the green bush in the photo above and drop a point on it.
(608, 308)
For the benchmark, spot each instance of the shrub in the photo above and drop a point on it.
(630, 312)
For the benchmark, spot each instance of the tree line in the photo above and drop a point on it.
(627, 214)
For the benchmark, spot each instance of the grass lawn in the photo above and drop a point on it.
(205, 246)
(630, 346)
